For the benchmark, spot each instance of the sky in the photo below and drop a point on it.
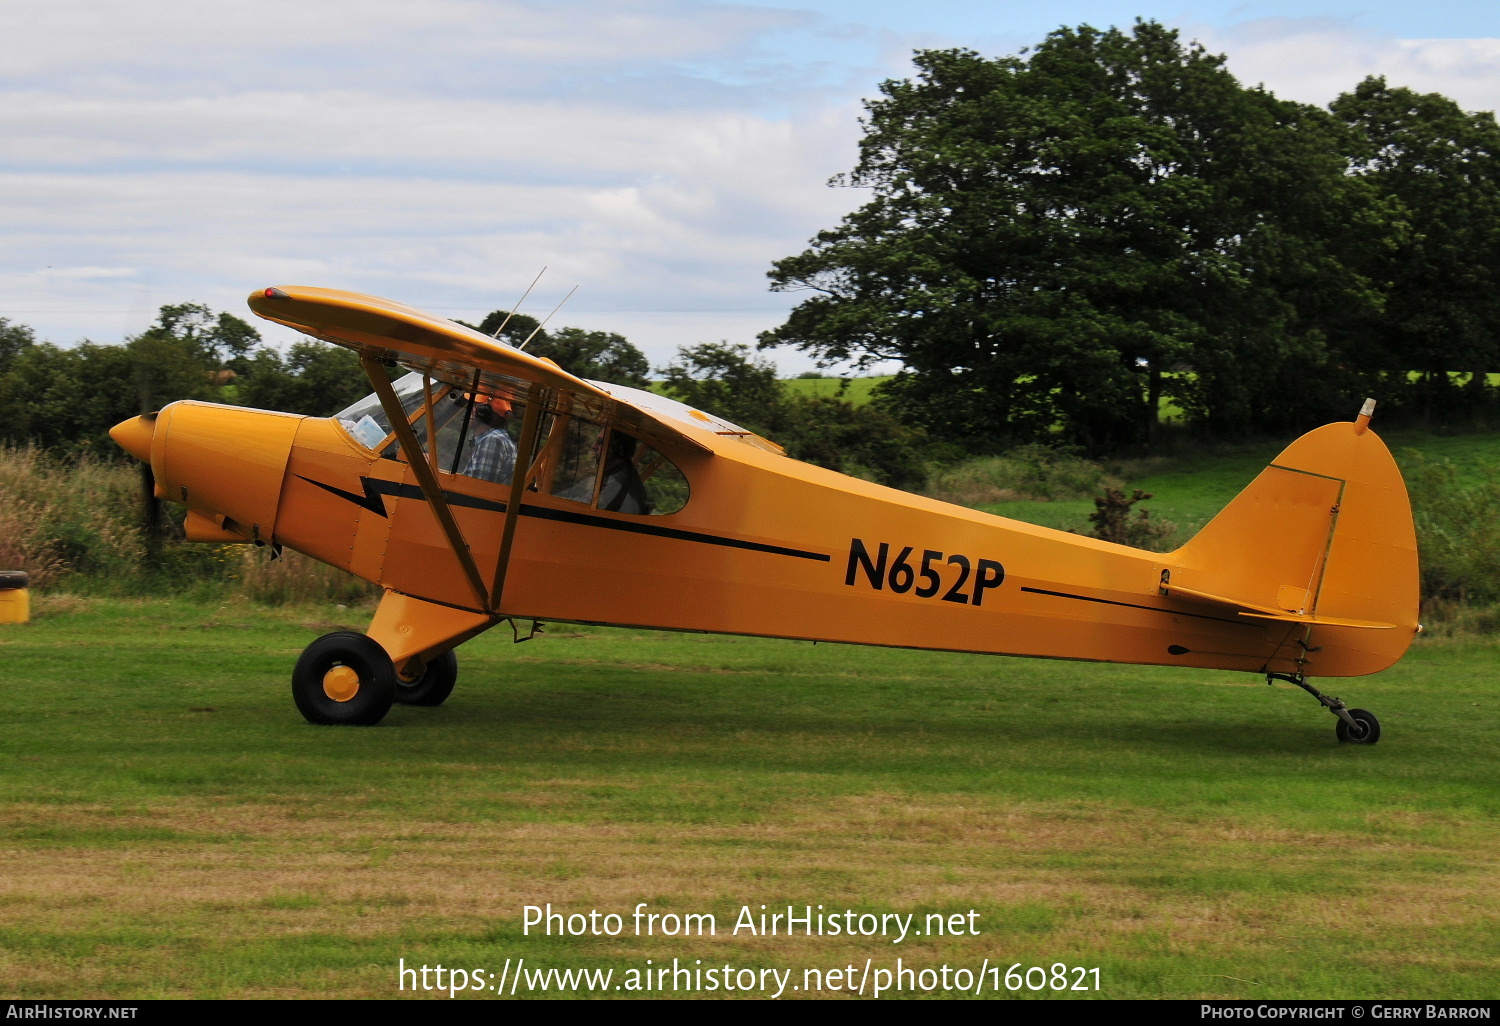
(658, 154)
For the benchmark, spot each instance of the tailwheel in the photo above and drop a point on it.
(432, 684)
(1355, 726)
(1364, 731)
(344, 677)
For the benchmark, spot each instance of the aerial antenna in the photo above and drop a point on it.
(519, 302)
(556, 308)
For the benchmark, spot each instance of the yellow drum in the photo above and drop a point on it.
(15, 599)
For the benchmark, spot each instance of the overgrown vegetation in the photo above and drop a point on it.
(1027, 472)
(76, 524)
(1458, 529)
(1115, 519)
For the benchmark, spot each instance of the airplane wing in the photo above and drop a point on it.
(459, 356)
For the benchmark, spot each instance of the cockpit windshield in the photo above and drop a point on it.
(368, 425)
(366, 420)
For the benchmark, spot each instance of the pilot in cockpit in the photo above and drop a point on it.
(493, 457)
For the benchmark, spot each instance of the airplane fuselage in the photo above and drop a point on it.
(772, 547)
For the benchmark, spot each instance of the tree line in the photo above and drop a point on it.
(1059, 242)
(65, 399)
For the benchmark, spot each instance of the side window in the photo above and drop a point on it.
(666, 486)
(578, 462)
(616, 472)
(448, 408)
(638, 479)
(489, 452)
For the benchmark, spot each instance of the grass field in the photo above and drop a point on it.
(857, 393)
(172, 827)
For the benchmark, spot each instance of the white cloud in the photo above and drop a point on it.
(1314, 60)
(437, 152)
(459, 42)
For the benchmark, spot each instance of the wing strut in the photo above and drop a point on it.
(417, 460)
(526, 467)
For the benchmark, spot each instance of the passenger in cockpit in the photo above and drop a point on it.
(622, 490)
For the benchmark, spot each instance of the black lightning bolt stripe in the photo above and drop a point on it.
(376, 489)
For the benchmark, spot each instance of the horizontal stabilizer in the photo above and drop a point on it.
(1255, 612)
(1323, 621)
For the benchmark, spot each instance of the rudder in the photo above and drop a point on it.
(1324, 537)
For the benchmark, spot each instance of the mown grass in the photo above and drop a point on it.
(170, 826)
(857, 391)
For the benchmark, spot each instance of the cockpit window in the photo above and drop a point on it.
(614, 471)
(477, 442)
(577, 471)
(666, 486)
(366, 420)
(588, 464)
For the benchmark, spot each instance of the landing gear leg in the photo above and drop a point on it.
(1355, 726)
(432, 684)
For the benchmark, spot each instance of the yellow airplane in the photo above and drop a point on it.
(488, 485)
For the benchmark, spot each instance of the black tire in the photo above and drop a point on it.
(373, 680)
(11, 580)
(1365, 719)
(433, 686)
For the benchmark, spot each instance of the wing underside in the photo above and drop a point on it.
(456, 355)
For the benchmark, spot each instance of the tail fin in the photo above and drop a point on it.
(1323, 537)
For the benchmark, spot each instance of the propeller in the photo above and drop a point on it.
(135, 436)
(152, 525)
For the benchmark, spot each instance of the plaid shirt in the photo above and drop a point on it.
(493, 457)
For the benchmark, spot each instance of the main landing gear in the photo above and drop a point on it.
(1355, 726)
(432, 685)
(347, 678)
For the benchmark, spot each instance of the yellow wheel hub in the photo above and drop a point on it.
(341, 683)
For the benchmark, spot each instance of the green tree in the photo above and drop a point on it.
(218, 341)
(314, 378)
(14, 338)
(1439, 169)
(1051, 236)
(595, 355)
(185, 353)
(864, 441)
(727, 381)
(67, 399)
(518, 327)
